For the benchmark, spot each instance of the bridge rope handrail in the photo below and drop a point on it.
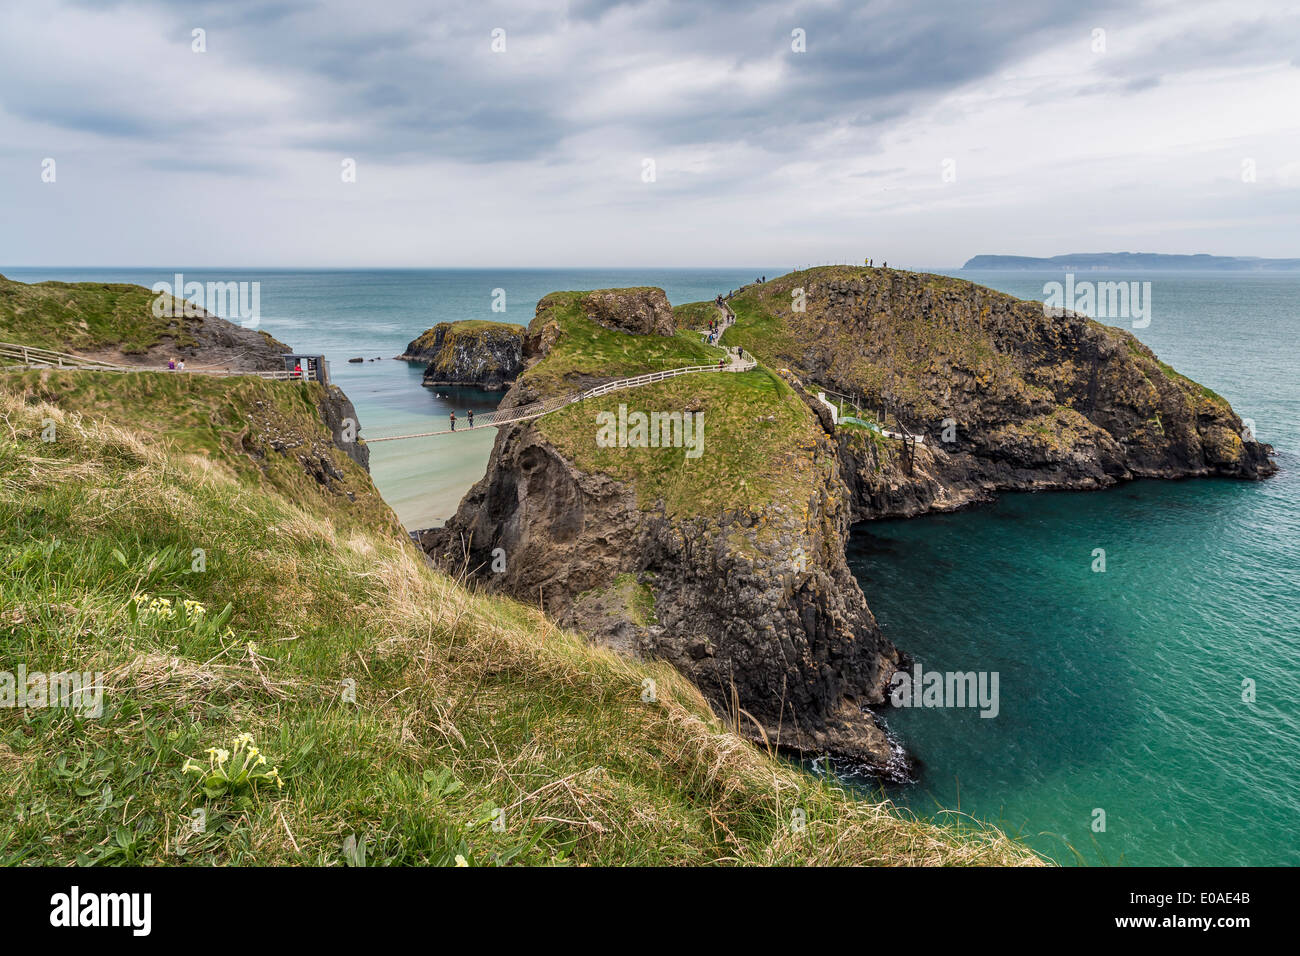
(506, 416)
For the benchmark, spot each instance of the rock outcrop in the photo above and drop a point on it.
(1006, 396)
(753, 601)
(486, 355)
(733, 568)
(642, 311)
(340, 417)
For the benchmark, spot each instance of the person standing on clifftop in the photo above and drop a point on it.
(453, 421)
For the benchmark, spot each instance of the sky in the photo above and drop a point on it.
(442, 134)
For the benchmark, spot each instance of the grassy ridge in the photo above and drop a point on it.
(585, 349)
(757, 443)
(758, 435)
(85, 316)
(900, 350)
(405, 714)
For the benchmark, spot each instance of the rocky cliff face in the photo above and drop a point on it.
(757, 607)
(340, 417)
(486, 355)
(753, 601)
(1007, 397)
(638, 311)
(733, 568)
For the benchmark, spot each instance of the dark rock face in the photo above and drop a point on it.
(759, 610)
(340, 417)
(234, 346)
(487, 355)
(638, 311)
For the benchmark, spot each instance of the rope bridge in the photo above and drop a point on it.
(505, 416)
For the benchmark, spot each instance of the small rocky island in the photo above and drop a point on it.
(486, 355)
(731, 566)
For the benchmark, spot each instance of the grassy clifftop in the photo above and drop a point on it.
(758, 435)
(579, 350)
(404, 714)
(884, 331)
(116, 321)
(1019, 392)
(87, 315)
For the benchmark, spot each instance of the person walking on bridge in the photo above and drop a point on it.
(452, 416)
(470, 415)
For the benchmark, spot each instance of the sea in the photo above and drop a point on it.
(1148, 708)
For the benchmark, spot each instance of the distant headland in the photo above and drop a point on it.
(1135, 261)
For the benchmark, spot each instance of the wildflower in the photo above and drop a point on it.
(461, 861)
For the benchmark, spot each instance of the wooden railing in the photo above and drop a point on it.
(30, 356)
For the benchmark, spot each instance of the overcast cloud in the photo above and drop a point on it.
(1181, 135)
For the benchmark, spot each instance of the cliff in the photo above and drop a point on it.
(729, 564)
(115, 322)
(201, 547)
(1006, 397)
(486, 355)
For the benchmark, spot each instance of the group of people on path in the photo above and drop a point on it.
(175, 365)
(469, 415)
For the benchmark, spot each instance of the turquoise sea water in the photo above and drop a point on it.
(1122, 691)
(1119, 691)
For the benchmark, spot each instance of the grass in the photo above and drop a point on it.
(586, 350)
(695, 315)
(758, 436)
(895, 353)
(86, 316)
(757, 450)
(412, 720)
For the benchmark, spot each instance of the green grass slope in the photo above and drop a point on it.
(583, 350)
(408, 720)
(758, 434)
(86, 316)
